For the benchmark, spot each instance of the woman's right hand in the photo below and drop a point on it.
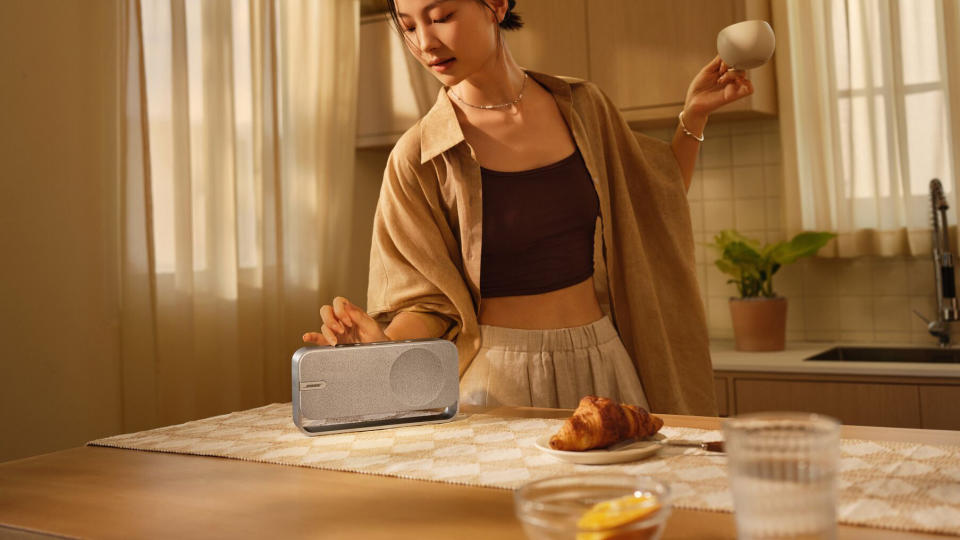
(345, 323)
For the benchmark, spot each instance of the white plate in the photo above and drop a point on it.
(602, 456)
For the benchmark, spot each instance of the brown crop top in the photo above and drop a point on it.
(538, 228)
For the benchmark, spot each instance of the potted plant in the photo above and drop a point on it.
(759, 315)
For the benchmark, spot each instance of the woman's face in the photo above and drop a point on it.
(460, 31)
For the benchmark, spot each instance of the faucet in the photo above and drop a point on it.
(947, 307)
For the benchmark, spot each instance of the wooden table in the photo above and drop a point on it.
(112, 493)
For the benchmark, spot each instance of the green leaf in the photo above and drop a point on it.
(741, 253)
(754, 265)
(728, 267)
(728, 236)
(770, 248)
(802, 245)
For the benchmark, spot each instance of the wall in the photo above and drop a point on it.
(369, 166)
(860, 300)
(59, 370)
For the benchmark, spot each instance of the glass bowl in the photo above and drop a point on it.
(551, 508)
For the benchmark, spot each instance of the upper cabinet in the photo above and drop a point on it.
(394, 90)
(553, 38)
(642, 53)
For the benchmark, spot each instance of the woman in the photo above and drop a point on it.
(538, 180)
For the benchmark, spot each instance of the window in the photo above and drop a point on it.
(891, 87)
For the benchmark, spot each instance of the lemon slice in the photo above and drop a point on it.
(615, 513)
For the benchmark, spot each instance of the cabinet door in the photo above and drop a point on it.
(863, 404)
(393, 90)
(723, 402)
(644, 54)
(553, 39)
(940, 406)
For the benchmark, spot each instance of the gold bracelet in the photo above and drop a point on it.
(685, 130)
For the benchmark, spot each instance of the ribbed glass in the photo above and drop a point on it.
(783, 474)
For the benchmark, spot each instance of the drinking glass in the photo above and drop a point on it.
(550, 508)
(783, 474)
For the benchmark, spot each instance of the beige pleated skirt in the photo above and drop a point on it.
(551, 368)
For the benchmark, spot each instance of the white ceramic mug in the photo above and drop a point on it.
(747, 44)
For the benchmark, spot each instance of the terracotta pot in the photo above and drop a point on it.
(759, 324)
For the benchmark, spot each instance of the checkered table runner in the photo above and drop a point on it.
(890, 485)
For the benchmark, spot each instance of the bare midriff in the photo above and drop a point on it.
(571, 306)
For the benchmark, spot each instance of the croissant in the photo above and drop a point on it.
(599, 422)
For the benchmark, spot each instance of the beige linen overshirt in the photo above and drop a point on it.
(425, 254)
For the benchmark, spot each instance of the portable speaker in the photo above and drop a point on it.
(362, 386)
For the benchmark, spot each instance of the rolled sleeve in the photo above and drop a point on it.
(411, 268)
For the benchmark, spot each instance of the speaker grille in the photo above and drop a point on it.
(416, 377)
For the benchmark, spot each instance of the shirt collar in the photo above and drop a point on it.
(440, 129)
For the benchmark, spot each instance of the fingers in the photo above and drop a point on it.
(324, 337)
(330, 319)
(340, 305)
(331, 329)
(344, 322)
(736, 89)
(329, 335)
(727, 74)
(732, 75)
(364, 329)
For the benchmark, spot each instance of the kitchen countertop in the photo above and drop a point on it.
(790, 360)
(112, 493)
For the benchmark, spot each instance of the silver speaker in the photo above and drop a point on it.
(363, 386)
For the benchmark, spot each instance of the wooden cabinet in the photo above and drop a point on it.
(553, 38)
(394, 91)
(723, 400)
(914, 402)
(645, 54)
(862, 404)
(940, 407)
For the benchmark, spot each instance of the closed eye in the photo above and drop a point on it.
(444, 19)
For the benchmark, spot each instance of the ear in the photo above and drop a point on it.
(500, 7)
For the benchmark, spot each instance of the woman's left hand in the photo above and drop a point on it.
(714, 87)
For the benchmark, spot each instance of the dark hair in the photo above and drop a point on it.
(511, 21)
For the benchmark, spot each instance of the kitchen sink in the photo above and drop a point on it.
(886, 354)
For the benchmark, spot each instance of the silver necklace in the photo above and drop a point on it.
(502, 105)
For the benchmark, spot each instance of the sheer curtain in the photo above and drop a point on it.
(236, 196)
(867, 120)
